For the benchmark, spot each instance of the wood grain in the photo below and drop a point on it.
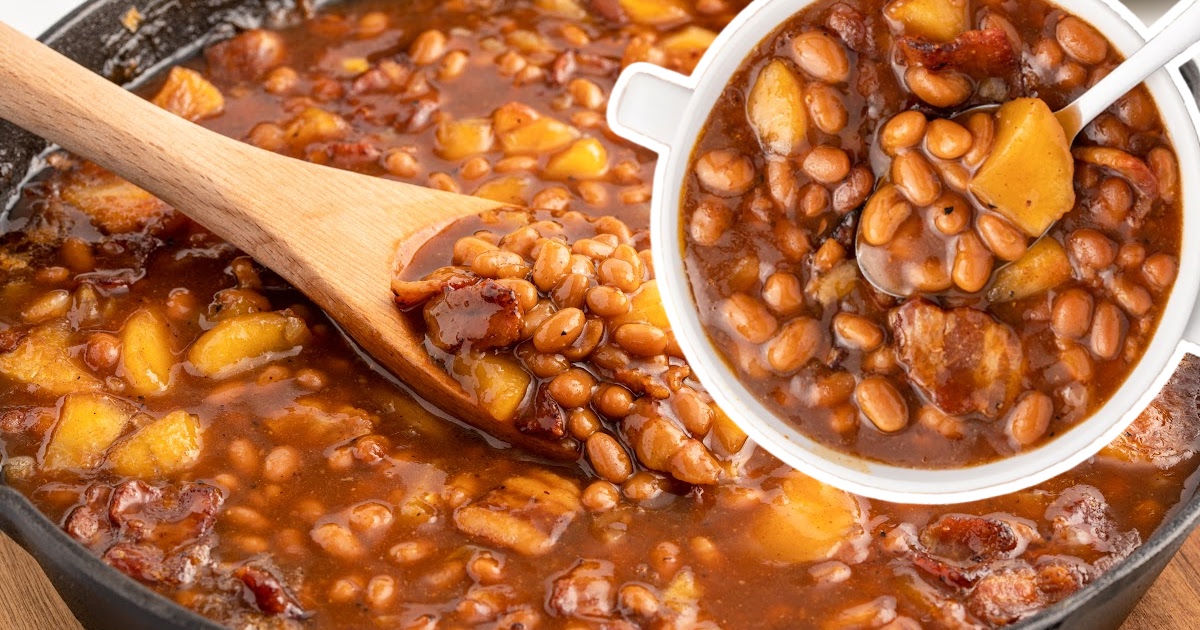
(332, 234)
(28, 602)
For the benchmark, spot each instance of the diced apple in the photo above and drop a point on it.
(114, 205)
(729, 435)
(498, 383)
(163, 447)
(776, 111)
(457, 139)
(189, 95)
(584, 159)
(244, 342)
(43, 361)
(147, 353)
(315, 125)
(1044, 266)
(645, 307)
(808, 522)
(510, 189)
(653, 12)
(567, 8)
(539, 136)
(88, 424)
(1029, 176)
(512, 115)
(934, 20)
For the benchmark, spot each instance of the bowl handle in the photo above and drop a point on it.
(647, 105)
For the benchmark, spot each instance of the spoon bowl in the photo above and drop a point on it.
(334, 235)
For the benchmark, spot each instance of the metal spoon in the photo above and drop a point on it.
(1168, 45)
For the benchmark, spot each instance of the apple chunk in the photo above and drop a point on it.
(935, 20)
(1029, 175)
(775, 108)
(1042, 268)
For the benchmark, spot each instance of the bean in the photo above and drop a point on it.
(281, 464)
(821, 56)
(947, 139)
(546, 365)
(940, 89)
(902, 131)
(638, 600)
(954, 175)
(725, 173)
(814, 199)
(614, 401)
(582, 264)
(1005, 241)
(588, 341)
(1165, 167)
(781, 182)
(1081, 41)
(1137, 110)
(1131, 296)
(571, 291)
(559, 330)
(748, 318)
(1030, 418)
(948, 426)
(607, 456)
(607, 302)
(829, 254)
(370, 516)
(883, 215)
(592, 248)
(798, 341)
(928, 276)
(582, 423)
(600, 496)
(782, 293)
(338, 541)
(792, 240)
(527, 294)
(825, 108)
(857, 332)
(882, 360)
(1131, 255)
(1071, 313)
(1160, 271)
(665, 559)
(852, 192)
(710, 220)
(972, 263)
(614, 226)
(572, 389)
(914, 178)
(427, 48)
(952, 213)
(826, 164)
(496, 263)
(1107, 334)
(1091, 249)
(50, 305)
(696, 415)
(468, 247)
(882, 404)
(619, 274)
(983, 133)
(644, 340)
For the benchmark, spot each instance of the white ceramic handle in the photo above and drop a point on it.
(1164, 47)
(647, 105)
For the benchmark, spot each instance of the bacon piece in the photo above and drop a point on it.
(962, 359)
(270, 594)
(980, 54)
(481, 315)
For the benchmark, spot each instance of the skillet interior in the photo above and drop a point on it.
(103, 598)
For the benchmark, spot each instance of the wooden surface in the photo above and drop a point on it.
(28, 602)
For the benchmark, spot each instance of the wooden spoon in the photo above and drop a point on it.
(332, 234)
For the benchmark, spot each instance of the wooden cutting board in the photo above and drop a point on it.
(28, 602)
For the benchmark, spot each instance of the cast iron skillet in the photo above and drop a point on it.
(105, 599)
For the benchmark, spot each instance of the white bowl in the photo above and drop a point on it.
(665, 111)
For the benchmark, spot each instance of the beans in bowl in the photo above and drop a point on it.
(197, 424)
(1008, 337)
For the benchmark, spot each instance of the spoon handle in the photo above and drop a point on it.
(1168, 44)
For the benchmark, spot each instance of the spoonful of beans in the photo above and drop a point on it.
(966, 199)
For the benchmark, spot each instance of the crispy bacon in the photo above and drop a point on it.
(980, 54)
